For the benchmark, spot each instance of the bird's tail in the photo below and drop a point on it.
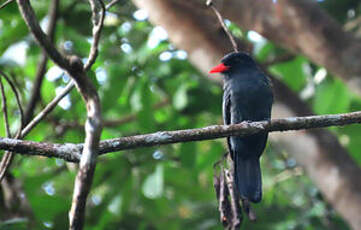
(248, 178)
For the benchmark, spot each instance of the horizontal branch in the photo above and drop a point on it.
(72, 152)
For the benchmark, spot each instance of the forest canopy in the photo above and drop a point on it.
(128, 68)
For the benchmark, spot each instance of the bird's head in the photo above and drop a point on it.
(233, 62)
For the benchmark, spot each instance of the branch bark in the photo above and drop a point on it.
(93, 125)
(72, 152)
(93, 128)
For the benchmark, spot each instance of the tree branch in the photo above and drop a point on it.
(6, 159)
(17, 97)
(98, 22)
(93, 125)
(220, 19)
(48, 108)
(6, 3)
(14, 199)
(93, 128)
(30, 19)
(8, 156)
(35, 92)
(4, 109)
(110, 4)
(74, 67)
(40, 116)
(72, 152)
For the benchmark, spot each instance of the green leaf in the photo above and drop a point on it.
(188, 153)
(265, 51)
(114, 86)
(294, 73)
(331, 96)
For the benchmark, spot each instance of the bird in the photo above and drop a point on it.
(247, 96)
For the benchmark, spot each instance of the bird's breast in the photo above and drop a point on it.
(250, 100)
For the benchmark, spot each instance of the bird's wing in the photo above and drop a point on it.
(227, 107)
(227, 116)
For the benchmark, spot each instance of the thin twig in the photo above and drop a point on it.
(4, 109)
(40, 73)
(30, 19)
(220, 19)
(97, 28)
(5, 4)
(224, 206)
(227, 196)
(17, 97)
(110, 4)
(5, 163)
(236, 215)
(8, 156)
(48, 108)
(71, 152)
(40, 116)
(222, 193)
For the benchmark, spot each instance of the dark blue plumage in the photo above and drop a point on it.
(247, 97)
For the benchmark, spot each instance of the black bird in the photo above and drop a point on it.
(247, 97)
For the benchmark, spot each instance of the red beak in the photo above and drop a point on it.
(219, 68)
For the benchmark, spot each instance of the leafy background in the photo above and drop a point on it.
(167, 187)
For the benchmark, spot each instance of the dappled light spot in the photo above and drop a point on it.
(16, 53)
(65, 103)
(157, 35)
(140, 15)
(101, 75)
(165, 56)
(48, 187)
(126, 48)
(54, 73)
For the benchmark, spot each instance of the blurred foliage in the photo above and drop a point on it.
(167, 187)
